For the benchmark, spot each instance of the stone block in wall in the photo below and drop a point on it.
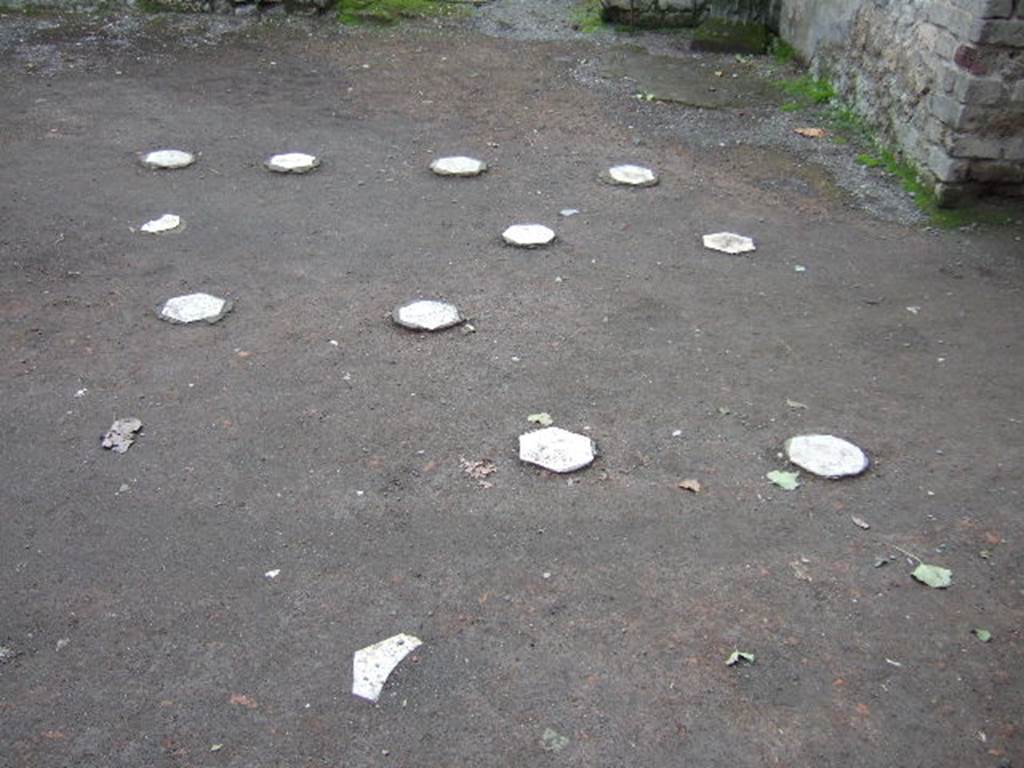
(655, 13)
(946, 168)
(1014, 150)
(949, 16)
(947, 109)
(974, 146)
(997, 172)
(1005, 32)
(971, 89)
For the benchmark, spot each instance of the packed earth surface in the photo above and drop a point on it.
(311, 479)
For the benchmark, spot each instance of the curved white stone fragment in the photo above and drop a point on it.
(292, 162)
(728, 242)
(826, 456)
(194, 307)
(556, 449)
(166, 223)
(458, 166)
(168, 159)
(427, 315)
(121, 435)
(528, 235)
(372, 665)
(632, 176)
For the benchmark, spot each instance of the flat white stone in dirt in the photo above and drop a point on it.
(372, 665)
(194, 307)
(458, 166)
(826, 456)
(168, 159)
(632, 176)
(292, 162)
(121, 435)
(556, 449)
(427, 315)
(728, 242)
(166, 223)
(528, 235)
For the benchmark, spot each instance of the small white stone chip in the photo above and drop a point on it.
(194, 307)
(166, 223)
(292, 162)
(557, 450)
(121, 435)
(427, 315)
(528, 235)
(168, 159)
(632, 176)
(458, 166)
(728, 242)
(371, 666)
(826, 456)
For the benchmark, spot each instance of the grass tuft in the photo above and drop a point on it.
(390, 11)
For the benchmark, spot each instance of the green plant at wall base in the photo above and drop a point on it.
(390, 11)
(586, 17)
(808, 90)
(782, 51)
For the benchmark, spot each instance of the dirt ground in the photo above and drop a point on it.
(138, 624)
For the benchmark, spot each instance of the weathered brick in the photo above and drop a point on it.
(970, 89)
(996, 171)
(974, 146)
(1014, 149)
(1007, 32)
(1018, 93)
(970, 58)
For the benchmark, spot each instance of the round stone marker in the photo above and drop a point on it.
(292, 162)
(458, 166)
(632, 176)
(826, 456)
(193, 308)
(427, 315)
(728, 242)
(166, 223)
(168, 159)
(556, 449)
(528, 235)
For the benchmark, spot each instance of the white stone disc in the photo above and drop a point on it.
(427, 315)
(193, 308)
(166, 223)
(458, 166)
(826, 456)
(556, 449)
(292, 162)
(372, 665)
(168, 159)
(528, 235)
(632, 175)
(727, 242)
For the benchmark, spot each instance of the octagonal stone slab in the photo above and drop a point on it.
(826, 456)
(427, 315)
(458, 166)
(729, 242)
(556, 449)
(167, 159)
(631, 176)
(292, 162)
(169, 222)
(528, 235)
(194, 308)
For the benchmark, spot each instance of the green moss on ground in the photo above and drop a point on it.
(586, 16)
(390, 11)
(723, 36)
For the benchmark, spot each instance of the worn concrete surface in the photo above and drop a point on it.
(603, 609)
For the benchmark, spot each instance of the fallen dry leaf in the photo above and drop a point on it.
(690, 485)
(810, 133)
(799, 571)
(479, 470)
(860, 522)
(242, 700)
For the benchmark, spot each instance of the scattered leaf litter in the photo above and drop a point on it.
(934, 576)
(787, 481)
(479, 470)
(552, 741)
(427, 315)
(169, 222)
(193, 308)
(556, 449)
(800, 570)
(292, 162)
(121, 435)
(826, 456)
(729, 242)
(241, 700)
(691, 485)
(811, 133)
(982, 634)
(372, 665)
(737, 656)
(528, 235)
(7, 654)
(168, 159)
(458, 166)
(543, 418)
(632, 176)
